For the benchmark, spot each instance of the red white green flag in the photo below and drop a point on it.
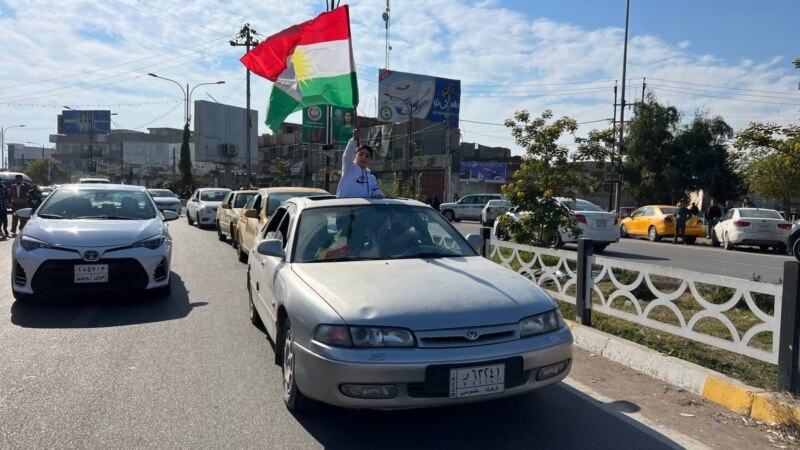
(310, 64)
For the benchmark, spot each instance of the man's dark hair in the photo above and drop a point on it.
(367, 148)
(17, 177)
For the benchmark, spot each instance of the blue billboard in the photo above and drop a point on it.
(74, 122)
(426, 96)
(482, 172)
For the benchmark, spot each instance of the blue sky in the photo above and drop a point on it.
(731, 58)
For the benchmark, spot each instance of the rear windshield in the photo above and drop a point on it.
(760, 214)
(583, 205)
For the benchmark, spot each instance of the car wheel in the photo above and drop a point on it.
(233, 236)
(189, 218)
(652, 234)
(294, 399)
(255, 319)
(726, 243)
(449, 215)
(501, 234)
(780, 249)
(220, 235)
(235, 241)
(763, 248)
(691, 239)
(599, 248)
(796, 250)
(241, 254)
(623, 231)
(714, 240)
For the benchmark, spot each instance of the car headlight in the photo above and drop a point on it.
(344, 336)
(30, 244)
(152, 242)
(541, 323)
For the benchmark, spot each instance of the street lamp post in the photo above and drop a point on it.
(3, 159)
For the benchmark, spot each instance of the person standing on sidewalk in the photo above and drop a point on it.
(5, 203)
(19, 200)
(713, 213)
(681, 216)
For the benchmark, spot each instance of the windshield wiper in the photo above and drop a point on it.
(108, 217)
(49, 216)
(346, 258)
(427, 255)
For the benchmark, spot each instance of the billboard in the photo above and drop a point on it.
(425, 95)
(220, 136)
(315, 125)
(343, 122)
(74, 122)
(482, 172)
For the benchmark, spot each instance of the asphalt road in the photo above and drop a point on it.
(190, 371)
(744, 262)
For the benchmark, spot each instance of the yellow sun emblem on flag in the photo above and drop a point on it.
(303, 66)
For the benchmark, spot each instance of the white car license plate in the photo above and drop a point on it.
(475, 381)
(91, 273)
(763, 227)
(601, 223)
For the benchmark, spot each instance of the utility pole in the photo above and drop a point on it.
(246, 34)
(447, 172)
(622, 108)
(614, 154)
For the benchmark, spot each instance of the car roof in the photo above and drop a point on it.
(212, 189)
(271, 190)
(326, 202)
(104, 187)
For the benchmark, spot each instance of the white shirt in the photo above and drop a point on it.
(356, 181)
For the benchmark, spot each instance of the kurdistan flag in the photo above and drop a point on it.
(309, 64)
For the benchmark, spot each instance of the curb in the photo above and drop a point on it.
(713, 386)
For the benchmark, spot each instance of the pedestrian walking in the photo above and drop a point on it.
(747, 203)
(19, 200)
(728, 206)
(435, 202)
(681, 216)
(694, 210)
(5, 203)
(713, 213)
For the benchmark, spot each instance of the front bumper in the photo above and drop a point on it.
(207, 216)
(177, 208)
(320, 370)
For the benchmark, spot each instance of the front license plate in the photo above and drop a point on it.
(91, 273)
(475, 381)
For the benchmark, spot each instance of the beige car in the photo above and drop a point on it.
(259, 208)
(229, 212)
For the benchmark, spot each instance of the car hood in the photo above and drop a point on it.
(91, 232)
(425, 294)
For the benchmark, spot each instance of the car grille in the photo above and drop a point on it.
(20, 277)
(467, 337)
(58, 276)
(437, 378)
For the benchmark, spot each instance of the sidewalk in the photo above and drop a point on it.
(713, 386)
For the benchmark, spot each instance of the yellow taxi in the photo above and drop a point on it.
(657, 221)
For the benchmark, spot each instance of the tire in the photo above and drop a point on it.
(556, 242)
(501, 234)
(294, 399)
(726, 243)
(255, 319)
(221, 236)
(652, 234)
(235, 241)
(233, 236)
(449, 215)
(691, 239)
(796, 250)
(241, 254)
(714, 240)
(623, 231)
(22, 297)
(763, 248)
(599, 248)
(189, 218)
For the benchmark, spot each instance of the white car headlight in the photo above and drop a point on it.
(152, 242)
(541, 323)
(344, 336)
(30, 244)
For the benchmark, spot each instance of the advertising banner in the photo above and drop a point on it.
(74, 122)
(379, 138)
(343, 122)
(315, 125)
(425, 95)
(482, 172)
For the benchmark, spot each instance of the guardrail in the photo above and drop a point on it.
(752, 318)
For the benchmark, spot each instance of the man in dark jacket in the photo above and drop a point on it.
(681, 217)
(713, 213)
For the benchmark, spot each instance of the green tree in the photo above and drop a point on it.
(548, 170)
(773, 176)
(282, 173)
(46, 171)
(185, 161)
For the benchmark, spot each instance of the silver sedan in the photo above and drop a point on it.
(382, 304)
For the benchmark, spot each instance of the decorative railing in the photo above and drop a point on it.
(740, 316)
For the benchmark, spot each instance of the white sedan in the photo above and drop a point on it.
(383, 304)
(201, 208)
(600, 226)
(92, 237)
(760, 227)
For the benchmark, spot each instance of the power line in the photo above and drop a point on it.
(725, 87)
(726, 98)
(722, 93)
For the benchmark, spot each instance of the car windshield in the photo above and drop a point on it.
(214, 196)
(73, 203)
(241, 199)
(760, 214)
(161, 193)
(583, 205)
(352, 233)
(275, 199)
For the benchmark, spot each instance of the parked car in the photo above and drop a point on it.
(47, 190)
(166, 200)
(258, 210)
(94, 180)
(92, 238)
(760, 227)
(596, 224)
(7, 178)
(492, 210)
(383, 304)
(229, 212)
(201, 208)
(468, 207)
(657, 221)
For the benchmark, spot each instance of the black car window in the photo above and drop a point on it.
(241, 199)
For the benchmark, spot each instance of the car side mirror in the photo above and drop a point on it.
(226, 206)
(194, 200)
(476, 241)
(271, 247)
(251, 213)
(24, 213)
(169, 215)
